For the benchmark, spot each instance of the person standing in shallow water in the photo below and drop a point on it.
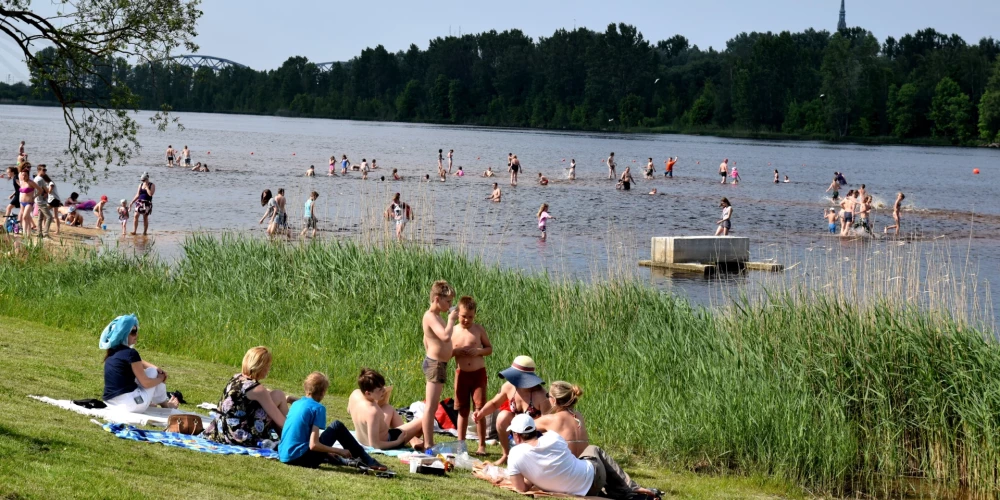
(143, 202)
(611, 165)
(724, 170)
(725, 223)
(399, 212)
(897, 207)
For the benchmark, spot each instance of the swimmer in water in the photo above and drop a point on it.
(572, 170)
(835, 186)
(344, 163)
(460, 172)
(451, 153)
(515, 167)
(311, 171)
(866, 208)
(649, 169)
(775, 176)
(736, 175)
(896, 209)
(724, 170)
(397, 177)
(488, 172)
(653, 192)
(373, 166)
(611, 165)
(669, 169)
(847, 213)
(542, 180)
(831, 220)
(496, 195)
(333, 167)
(170, 155)
(626, 179)
(786, 179)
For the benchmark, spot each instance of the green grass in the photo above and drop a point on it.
(46, 452)
(825, 392)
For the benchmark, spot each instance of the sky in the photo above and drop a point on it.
(262, 34)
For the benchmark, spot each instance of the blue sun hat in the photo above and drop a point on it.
(522, 373)
(116, 333)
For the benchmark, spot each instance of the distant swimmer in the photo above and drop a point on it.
(786, 179)
(626, 179)
(515, 167)
(488, 172)
(543, 219)
(496, 195)
(669, 170)
(866, 209)
(200, 167)
(831, 219)
(725, 223)
(311, 171)
(776, 177)
(374, 165)
(170, 155)
(736, 175)
(396, 176)
(572, 170)
(840, 178)
(333, 167)
(611, 165)
(650, 169)
(344, 163)
(542, 180)
(835, 186)
(724, 170)
(451, 153)
(896, 208)
(653, 192)
(186, 155)
(460, 172)
(847, 213)
(440, 161)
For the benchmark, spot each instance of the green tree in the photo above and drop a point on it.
(989, 108)
(406, 103)
(457, 106)
(85, 37)
(702, 108)
(439, 97)
(951, 112)
(903, 113)
(630, 110)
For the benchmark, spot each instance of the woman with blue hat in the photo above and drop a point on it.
(521, 393)
(129, 382)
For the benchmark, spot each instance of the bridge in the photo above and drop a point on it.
(197, 61)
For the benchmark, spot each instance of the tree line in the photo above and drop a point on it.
(842, 85)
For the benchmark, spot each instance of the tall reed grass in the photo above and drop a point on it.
(814, 386)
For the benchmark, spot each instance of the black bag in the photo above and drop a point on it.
(90, 404)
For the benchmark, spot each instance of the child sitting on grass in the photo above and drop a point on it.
(301, 442)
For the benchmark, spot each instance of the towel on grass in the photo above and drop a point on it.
(153, 416)
(179, 440)
(478, 473)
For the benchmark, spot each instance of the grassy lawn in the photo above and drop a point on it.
(46, 452)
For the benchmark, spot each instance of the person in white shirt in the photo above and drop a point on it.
(545, 461)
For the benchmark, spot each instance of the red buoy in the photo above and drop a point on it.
(975, 171)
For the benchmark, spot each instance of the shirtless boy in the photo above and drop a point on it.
(375, 420)
(470, 345)
(496, 195)
(611, 166)
(437, 344)
(170, 155)
(520, 393)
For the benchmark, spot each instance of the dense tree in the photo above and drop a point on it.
(839, 85)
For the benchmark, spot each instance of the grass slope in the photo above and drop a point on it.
(46, 452)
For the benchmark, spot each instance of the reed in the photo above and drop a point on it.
(796, 380)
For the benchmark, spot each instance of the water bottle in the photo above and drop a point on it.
(452, 448)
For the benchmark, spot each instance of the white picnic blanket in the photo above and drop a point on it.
(154, 416)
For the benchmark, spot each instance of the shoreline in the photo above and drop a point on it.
(734, 133)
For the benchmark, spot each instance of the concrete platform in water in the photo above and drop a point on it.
(705, 254)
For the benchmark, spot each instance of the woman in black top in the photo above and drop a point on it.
(129, 382)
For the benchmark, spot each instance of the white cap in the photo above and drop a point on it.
(522, 424)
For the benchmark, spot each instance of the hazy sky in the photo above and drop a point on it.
(263, 33)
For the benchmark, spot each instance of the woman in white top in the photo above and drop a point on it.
(727, 213)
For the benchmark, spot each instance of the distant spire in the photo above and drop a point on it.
(842, 24)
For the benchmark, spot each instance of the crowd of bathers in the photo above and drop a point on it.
(543, 437)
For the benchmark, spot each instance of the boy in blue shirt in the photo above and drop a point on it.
(301, 442)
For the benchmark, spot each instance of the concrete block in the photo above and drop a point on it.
(700, 249)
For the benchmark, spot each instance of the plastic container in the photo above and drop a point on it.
(464, 461)
(495, 473)
(449, 448)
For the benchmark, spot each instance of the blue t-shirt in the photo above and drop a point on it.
(302, 416)
(309, 209)
(118, 375)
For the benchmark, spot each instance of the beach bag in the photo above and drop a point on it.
(185, 424)
(446, 415)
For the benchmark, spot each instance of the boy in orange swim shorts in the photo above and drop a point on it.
(470, 345)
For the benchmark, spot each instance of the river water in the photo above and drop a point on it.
(598, 232)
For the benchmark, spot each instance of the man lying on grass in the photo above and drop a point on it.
(302, 444)
(544, 460)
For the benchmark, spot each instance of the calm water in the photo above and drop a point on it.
(596, 227)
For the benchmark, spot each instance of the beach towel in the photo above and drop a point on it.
(177, 440)
(478, 473)
(154, 417)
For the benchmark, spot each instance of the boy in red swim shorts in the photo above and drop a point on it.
(470, 345)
